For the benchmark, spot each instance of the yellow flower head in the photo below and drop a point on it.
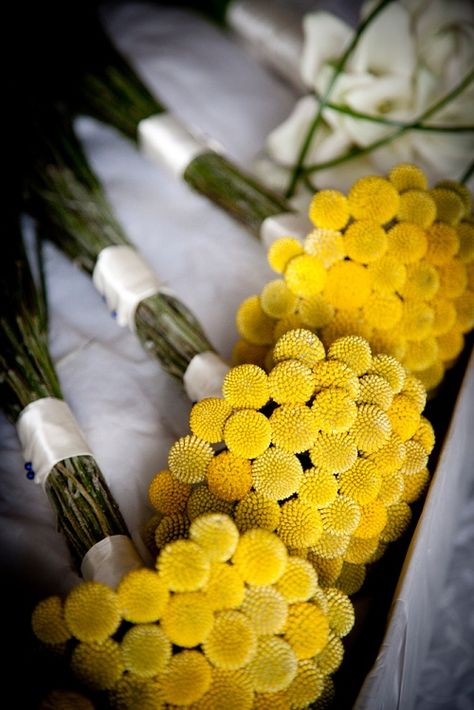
(142, 596)
(416, 458)
(415, 485)
(389, 368)
(257, 511)
(344, 323)
(417, 206)
(246, 387)
(425, 435)
(229, 476)
(342, 516)
(404, 416)
(387, 274)
(318, 487)
(422, 281)
(202, 500)
(333, 452)
(171, 527)
(306, 629)
(443, 243)
(183, 566)
(373, 518)
(325, 244)
(365, 241)
(187, 619)
(375, 389)
(300, 524)
(453, 279)
(392, 488)
(432, 376)
(464, 306)
(133, 691)
(260, 557)
(334, 410)
(208, 417)
(282, 251)
(305, 275)
(444, 315)
(146, 650)
(465, 232)
(383, 311)
(351, 579)
(417, 320)
(373, 198)
(406, 176)
(225, 588)
(300, 345)
(244, 352)
(92, 612)
(276, 474)
(398, 520)
(354, 351)
(229, 689)
(461, 190)
(449, 205)
(414, 388)
(329, 209)
(362, 482)
(276, 299)
(232, 642)
(48, 622)
(348, 285)
(371, 429)
(266, 608)
(98, 665)
(331, 656)
(407, 242)
(274, 665)
(421, 354)
(314, 312)
(360, 550)
(247, 433)
(450, 345)
(186, 679)
(291, 381)
(390, 457)
(216, 534)
(291, 322)
(253, 324)
(334, 373)
(188, 459)
(329, 548)
(307, 685)
(299, 581)
(168, 495)
(293, 427)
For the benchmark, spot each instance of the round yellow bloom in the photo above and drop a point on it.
(414, 388)
(300, 524)
(340, 611)
(365, 241)
(276, 474)
(142, 596)
(390, 457)
(373, 198)
(415, 485)
(444, 315)
(188, 459)
(246, 387)
(344, 323)
(299, 581)
(98, 665)
(247, 433)
(305, 275)
(274, 665)
(306, 629)
(418, 207)
(257, 511)
(187, 619)
(48, 621)
(360, 550)
(202, 500)
(325, 244)
(351, 579)
(421, 354)
(334, 373)
(293, 427)
(260, 557)
(331, 656)
(171, 527)
(301, 345)
(330, 547)
(407, 242)
(328, 570)
(186, 679)
(334, 410)
(404, 416)
(389, 368)
(398, 520)
(465, 232)
(333, 452)
(422, 281)
(225, 588)
(406, 176)
(230, 689)
(318, 487)
(307, 685)
(291, 322)
(244, 352)
(133, 691)
(371, 428)
(425, 435)
(146, 650)
(383, 311)
(168, 495)
(348, 285)
(282, 251)
(183, 566)
(461, 190)
(465, 311)
(91, 611)
(329, 209)
(276, 299)
(450, 345)
(449, 205)
(375, 389)
(253, 324)
(392, 487)
(373, 518)
(65, 700)
(208, 417)
(229, 476)
(216, 534)
(443, 243)
(387, 274)
(416, 458)
(354, 351)
(453, 279)
(433, 375)
(315, 311)
(362, 482)
(341, 517)
(266, 609)
(417, 320)
(232, 642)
(291, 381)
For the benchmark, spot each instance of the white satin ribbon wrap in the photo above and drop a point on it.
(49, 433)
(286, 224)
(204, 376)
(110, 559)
(167, 141)
(124, 278)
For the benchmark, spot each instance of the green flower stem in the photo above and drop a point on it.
(234, 191)
(298, 168)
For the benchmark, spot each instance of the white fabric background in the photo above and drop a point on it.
(130, 411)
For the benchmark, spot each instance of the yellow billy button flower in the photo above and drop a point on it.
(416, 458)
(202, 500)
(274, 665)
(229, 689)
(187, 619)
(98, 665)
(432, 376)
(293, 427)
(253, 323)
(443, 243)
(346, 322)
(208, 417)
(398, 520)
(406, 176)
(444, 315)
(329, 547)
(171, 527)
(247, 433)
(417, 320)
(404, 416)
(342, 516)
(373, 198)
(244, 352)
(461, 190)
(189, 458)
(146, 650)
(186, 679)
(390, 368)
(305, 275)
(348, 285)
(290, 382)
(168, 495)
(333, 373)
(340, 611)
(318, 487)
(464, 306)
(232, 642)
(306, 629)
(314, 312)
(465, 232)
(216, 534)
(299, 344)
(92, 612)
(307, 685)
(329, 209)
(383, 311)
(390, 457)
(418, 207)
(142, 596)
(362, 482)
(282, 251)
(365, 241)
(276, 474)
(415, 389)
(299, 581)
(229, 476)
(375, 389)
(360, 550)
(183, 566)
(325, 244)
(415, 485)
(257, 511)
(331, 656)
(300, 524)
(48, 621)
(276, 299)
(373, 518)
(351, 578)
(422, 281)
(333, 452)
(392, 487)
(328, 571)
(407, 242)
(371, 429)
(246, 387)
(225, 588)
(421, 354)
(266, 608)
(134, 691)
(425, 435)
(449, 205)
(354, 351)
(387, 274)
(260, 557)
(334, 410)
